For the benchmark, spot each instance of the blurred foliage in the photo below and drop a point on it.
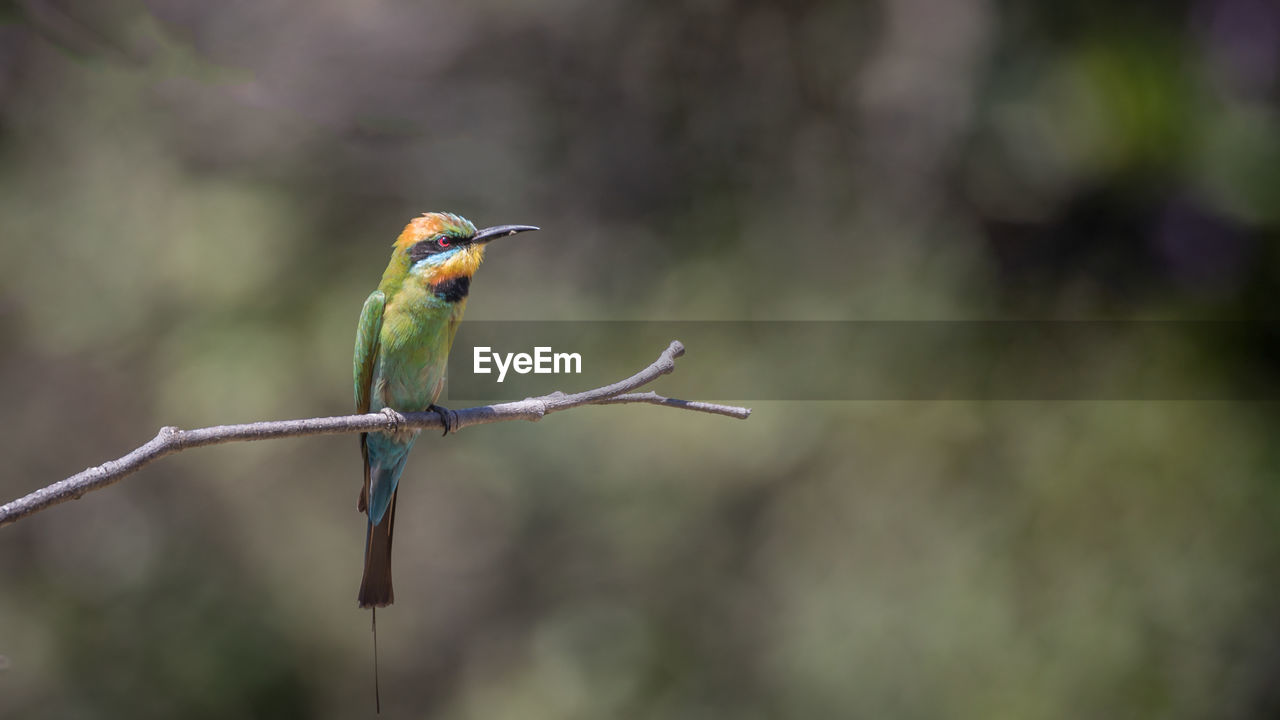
(196, 198)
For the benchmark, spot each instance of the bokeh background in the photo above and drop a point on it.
(196, 198)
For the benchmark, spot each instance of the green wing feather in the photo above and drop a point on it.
(368, 333)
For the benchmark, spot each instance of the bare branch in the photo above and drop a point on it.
(653, 398)
(171, 440)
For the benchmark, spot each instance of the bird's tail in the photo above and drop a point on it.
(375, 585)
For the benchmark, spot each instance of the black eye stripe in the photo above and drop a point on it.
(426, 248)
(421, 250)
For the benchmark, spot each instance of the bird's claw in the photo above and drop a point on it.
(448, 418)
(394, 419)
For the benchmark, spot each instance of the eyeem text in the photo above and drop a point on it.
(543, 361)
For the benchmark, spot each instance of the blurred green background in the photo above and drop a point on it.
(197, 197)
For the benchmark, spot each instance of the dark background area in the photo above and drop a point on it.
(197, 197)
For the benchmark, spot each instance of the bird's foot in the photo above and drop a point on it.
(448, 418)
(395, 420)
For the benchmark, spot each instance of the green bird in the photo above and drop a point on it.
(402, 346)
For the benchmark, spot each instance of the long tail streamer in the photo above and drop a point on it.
(377, 693)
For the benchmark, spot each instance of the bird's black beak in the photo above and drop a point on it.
(492, 233)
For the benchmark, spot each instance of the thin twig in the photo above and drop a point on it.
(171, 439)
(653, 398)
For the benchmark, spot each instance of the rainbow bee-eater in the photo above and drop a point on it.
(402, 345)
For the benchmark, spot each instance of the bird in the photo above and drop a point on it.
(403, 339)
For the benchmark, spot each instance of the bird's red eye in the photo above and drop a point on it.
(443, 242)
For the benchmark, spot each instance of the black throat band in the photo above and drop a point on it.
(453, 290)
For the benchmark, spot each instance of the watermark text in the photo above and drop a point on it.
(543, 361)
